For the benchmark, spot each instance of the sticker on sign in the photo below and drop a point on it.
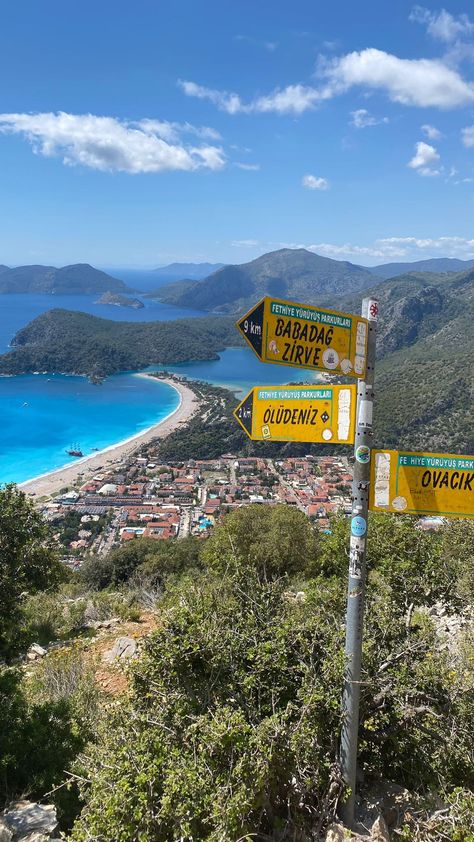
(303, 336)
(422, 483)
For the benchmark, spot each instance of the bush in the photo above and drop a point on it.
(154, 559)
(28, 563)
(232, 723)
(273, 540)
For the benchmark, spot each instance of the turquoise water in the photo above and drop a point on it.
(41, 416)
(239, 369)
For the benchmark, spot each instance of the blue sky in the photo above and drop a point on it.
(136, 134)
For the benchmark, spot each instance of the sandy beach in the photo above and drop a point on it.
(83, 469)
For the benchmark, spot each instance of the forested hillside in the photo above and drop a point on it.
(70, 342)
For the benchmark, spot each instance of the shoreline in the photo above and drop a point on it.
(51, 482)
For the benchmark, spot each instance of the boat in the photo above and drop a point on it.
(74, 450)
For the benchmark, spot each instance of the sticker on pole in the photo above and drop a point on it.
(302, 336)
(299, 413)
(422, 483)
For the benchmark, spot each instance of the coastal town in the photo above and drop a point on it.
(142, 498)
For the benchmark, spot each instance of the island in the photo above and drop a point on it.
(120, 300)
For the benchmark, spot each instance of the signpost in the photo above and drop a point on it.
(287, 333)
(357, 569)
(299, 413)
(298, 335)
(422, 483)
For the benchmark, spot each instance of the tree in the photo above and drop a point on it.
(28, 562)
(273, 540)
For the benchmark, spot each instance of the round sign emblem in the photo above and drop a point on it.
(358, 526)
(399, 503)
(331, 358)
(362, 454)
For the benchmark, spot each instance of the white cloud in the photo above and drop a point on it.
(419, 82)
(244, 243)
(424, 157)
(387, 249)
(362, 118)
(293, 99)
(171, 131)
(225, 101)
(249, 167)
(468, 136)
(431, 132)
(442, 25)
(111, 145)
(313, 182)
(425, 83)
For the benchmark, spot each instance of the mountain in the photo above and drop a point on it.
(287, 273)
(77, 343)
(436, 264)
(77, 279)
(193, 271)
(425, 345)
(3, 268)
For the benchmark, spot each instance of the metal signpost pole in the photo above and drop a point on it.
(357, 568)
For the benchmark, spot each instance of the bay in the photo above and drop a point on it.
(41, 416)
(238, 369)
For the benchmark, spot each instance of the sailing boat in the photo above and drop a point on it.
(74, 450)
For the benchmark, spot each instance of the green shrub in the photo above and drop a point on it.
(273, 540)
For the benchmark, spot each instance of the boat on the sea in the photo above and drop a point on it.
(74, 450)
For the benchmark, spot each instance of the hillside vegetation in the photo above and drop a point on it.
(77, 343)
(231, 725)
(77, 279)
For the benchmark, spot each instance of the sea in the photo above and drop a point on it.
(42, 416)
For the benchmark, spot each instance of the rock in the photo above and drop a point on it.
(379, 830)
(123, 648)
(30, 821)
(335, 833)
(104, 624)
(35, 652)
(5, 833)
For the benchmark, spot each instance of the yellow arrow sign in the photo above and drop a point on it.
(299, 413)
(422, 483)
(298, 335)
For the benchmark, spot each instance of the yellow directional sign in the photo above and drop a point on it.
(293, 334)
(299, 413)
(422, 483)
